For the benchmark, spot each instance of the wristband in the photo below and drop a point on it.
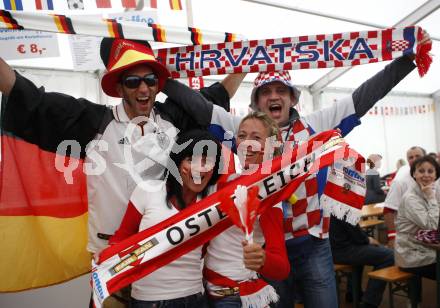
(391, 234)
(387, 210)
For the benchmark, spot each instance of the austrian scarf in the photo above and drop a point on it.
(143, 253)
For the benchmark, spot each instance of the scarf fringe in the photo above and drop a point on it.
(423, 59)
(261, 298)
(341, 211)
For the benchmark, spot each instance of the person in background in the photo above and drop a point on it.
(402, 182)
(388, 178)
(374, 193)
(433, 155)
(228, 265)
(418, 211)
(351, 245)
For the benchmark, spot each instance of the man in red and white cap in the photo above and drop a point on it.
(120, 156)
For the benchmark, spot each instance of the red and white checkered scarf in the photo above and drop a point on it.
(292, 53)
(305, 215)
(289, 53)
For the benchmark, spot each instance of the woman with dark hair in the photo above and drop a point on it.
(419, 211)
(190, 172)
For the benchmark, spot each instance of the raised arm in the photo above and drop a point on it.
(232, 82)
(7, 77)
(345, 113)
(198, 107)
(48, 118)
(375, 88)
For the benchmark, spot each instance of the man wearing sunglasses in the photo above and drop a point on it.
(133, 74)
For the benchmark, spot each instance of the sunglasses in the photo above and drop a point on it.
(132, 82)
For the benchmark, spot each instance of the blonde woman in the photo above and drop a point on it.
(230, 261)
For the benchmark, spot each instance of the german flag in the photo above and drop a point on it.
(230, 37)
(196, 36)
(176, 5)
(159, 33)
(43, 219)
(64, 24)
(8, 20)
(114, 29)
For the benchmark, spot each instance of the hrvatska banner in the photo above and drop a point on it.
(232, 54)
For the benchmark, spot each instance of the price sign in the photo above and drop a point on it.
(30, 48)
(15, 44)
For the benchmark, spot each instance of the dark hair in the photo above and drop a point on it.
(433, 154)
(174, 189)
(417, 147)
(427, 159)
(370, 163)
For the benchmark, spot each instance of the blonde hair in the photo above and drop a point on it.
(268, 123)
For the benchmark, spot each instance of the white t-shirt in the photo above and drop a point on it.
(110, 189)
(400, 185)
(180, 278)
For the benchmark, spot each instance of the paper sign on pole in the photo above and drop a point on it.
(26, 44)
(85, 49)
(85, 52)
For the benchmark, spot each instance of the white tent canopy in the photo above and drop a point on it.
(255, 19)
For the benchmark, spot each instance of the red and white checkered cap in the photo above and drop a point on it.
(268, 77)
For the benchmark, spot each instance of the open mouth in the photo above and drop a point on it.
(275, 109)
(197, 178)
(143, 100)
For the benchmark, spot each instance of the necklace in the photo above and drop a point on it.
(162, 138)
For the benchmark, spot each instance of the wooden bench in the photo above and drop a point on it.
(370, 224)
(371, 210)
(397, 281)
(344, 271)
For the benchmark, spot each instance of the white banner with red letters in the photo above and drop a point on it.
(148, 250)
